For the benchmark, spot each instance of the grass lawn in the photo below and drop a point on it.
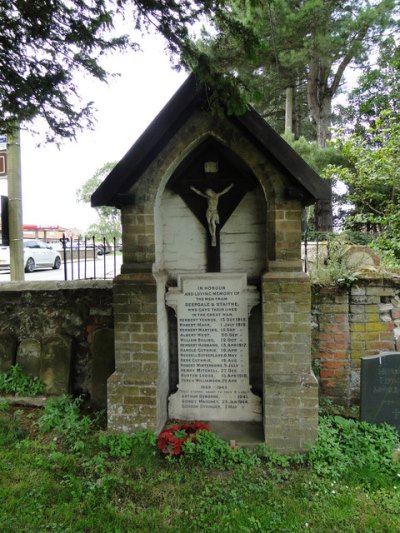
(59, 473)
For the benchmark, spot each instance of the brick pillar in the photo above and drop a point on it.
(132, 389)
(290, 387)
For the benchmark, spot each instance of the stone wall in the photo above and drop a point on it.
(61, 332)
(77, 317)
(350, 323)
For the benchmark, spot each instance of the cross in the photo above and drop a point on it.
(220, 194)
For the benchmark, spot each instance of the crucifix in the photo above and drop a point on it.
(212, 182)
(212, 215)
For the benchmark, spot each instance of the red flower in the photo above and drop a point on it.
(170, 440)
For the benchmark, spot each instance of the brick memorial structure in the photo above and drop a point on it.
(212, 205)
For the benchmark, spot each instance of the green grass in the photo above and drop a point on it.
(122, 483)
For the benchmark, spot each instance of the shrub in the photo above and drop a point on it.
(211, 451)
(16, 382)
(345, 447)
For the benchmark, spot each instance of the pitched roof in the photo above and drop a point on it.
(190, 96)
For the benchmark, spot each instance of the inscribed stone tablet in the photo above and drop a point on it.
(380, 389)
(213, 350)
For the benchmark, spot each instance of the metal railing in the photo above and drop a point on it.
(89, 259)
(314, 252)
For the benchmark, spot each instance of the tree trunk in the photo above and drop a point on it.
(289, 111)
(320, 104)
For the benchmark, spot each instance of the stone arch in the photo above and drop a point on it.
(181, 229)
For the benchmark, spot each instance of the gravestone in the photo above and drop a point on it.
(380, 389)
(213, 347)
(29, 357)
(55, 365)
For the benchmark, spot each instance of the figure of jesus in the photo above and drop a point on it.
(212, 215)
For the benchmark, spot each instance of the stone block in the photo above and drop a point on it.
(55, 368)
(29, 357)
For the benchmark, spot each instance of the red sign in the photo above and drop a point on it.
(3, 164)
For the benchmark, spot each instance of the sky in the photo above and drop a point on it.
(125, 107)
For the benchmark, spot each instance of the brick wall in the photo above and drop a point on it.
(350, 323)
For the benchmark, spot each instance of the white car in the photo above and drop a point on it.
(37, 254)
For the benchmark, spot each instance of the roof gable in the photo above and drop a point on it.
(190, 96)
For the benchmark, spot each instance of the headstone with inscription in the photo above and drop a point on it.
(213, 348)
(380, 389)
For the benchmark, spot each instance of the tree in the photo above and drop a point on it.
(45, 43)
(378, 89)
(371, 202)
(304, 44)
(109, 223)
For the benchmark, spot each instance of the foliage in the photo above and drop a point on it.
(101, 489)
(62, 416)
(334, 269)
(45, 45)
(346, 448)
(16, 382)
(211, 451)
(123, 445)
(306, 46)
(371, 202)
(109, 224)
(378, 89)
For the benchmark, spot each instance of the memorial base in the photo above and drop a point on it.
(191, 404)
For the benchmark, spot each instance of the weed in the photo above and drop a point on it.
(347, 447)
(16, 382)
(212, 451)
(62, 415)
(122, 483)
(4, 405)
(122, 445)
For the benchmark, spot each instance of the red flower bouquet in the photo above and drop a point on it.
(170, 440)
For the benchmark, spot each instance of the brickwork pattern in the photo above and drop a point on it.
(350, 323)
(331, 341)
(288, 230)
(290, 388)
(132, 389)
(138, 239)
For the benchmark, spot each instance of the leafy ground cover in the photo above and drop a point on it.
(60, 472)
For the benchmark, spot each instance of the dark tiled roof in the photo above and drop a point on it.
(190, 96)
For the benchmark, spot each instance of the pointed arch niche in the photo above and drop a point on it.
(185, 237)
(186, 241)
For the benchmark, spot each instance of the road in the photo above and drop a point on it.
(94, 269)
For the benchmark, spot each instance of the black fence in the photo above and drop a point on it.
(89, 258)
(316, 252)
